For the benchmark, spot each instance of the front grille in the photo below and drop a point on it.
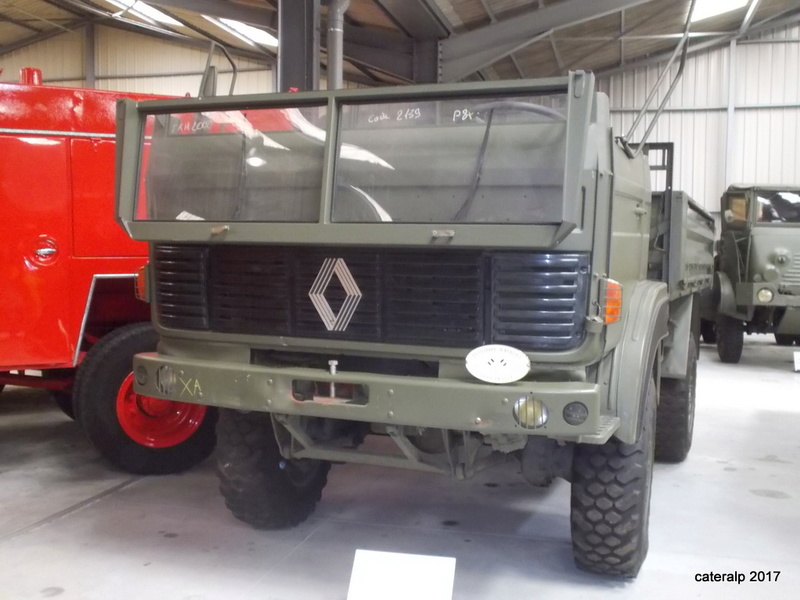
(792, 274)
(452, 298)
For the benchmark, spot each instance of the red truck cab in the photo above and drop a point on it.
(68, 304)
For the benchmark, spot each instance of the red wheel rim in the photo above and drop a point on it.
(153, 422)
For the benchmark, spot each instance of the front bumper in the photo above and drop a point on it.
(747, 295)
(392, 400)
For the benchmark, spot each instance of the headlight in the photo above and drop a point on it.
(765, 295)
(530, 413)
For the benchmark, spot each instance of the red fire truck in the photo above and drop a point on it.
(69, 319)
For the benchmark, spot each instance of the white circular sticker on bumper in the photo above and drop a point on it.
(496, 363)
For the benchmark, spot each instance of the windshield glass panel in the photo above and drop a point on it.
(248, 165)
(475, 160)
(778, 206)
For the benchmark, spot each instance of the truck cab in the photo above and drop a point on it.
(757, 287)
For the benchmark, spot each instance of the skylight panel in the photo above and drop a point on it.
(145, 12)
(247, 33)
(705, 9)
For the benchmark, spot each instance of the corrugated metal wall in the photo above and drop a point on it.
(734, 116)
(61, 57)
(129, 62)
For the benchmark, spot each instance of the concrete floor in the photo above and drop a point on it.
(73, 528)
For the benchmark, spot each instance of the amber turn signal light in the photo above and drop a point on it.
(611, 301)
(140, 284)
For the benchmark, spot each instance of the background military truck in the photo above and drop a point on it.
(474, 272)
(757, 281)
(70, 321)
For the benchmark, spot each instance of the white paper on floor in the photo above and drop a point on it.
(396, 576)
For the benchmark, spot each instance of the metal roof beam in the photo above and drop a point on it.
(414, 18)
(68, 27)
(100, 17)
(394, 63)
(18, 23)
(252, 15)
(394, 54)
(748, 18)
(785, 19)
(465, 53)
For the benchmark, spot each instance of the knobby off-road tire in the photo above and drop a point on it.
(261, 487)
(675, 420)
(168, 437)
(708, 331)
(730, 339)
(610, 504)
(783, 339)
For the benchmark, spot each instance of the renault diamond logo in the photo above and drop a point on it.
(331, 267)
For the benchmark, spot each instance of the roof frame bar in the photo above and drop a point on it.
(463, 54)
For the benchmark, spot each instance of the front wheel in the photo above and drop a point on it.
(610, 504)
(708, 331)
(783, 339)
(137, 433)
(261, 487)
(730, 339)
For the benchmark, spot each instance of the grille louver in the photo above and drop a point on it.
(535, 299)
(455, 298)
(180, 285)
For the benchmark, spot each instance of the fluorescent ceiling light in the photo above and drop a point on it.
(247, 33)
(144, 12)
(705, 9)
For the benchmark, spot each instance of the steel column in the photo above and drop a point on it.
(298, 49)
(89, 56)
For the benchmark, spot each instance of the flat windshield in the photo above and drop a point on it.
(778, 206)
(249, 165)
(475, 160)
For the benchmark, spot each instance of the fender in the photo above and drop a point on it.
(90, 297)
(646, 325)
(724, 295)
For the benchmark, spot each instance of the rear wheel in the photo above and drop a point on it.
(675, 420)
(708, 331)
(730, 339)
(610, 504)
(261, 487)
(137, 433)
(784, 340)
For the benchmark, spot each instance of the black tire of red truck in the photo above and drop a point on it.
(137, 434)
(676, 408)
(610, 500)
(261, 487)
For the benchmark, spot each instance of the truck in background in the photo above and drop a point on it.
(70, 321)
(473, 271)
(757, 278)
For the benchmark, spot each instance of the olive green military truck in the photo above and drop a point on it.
(433, 277)
(757, 282)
